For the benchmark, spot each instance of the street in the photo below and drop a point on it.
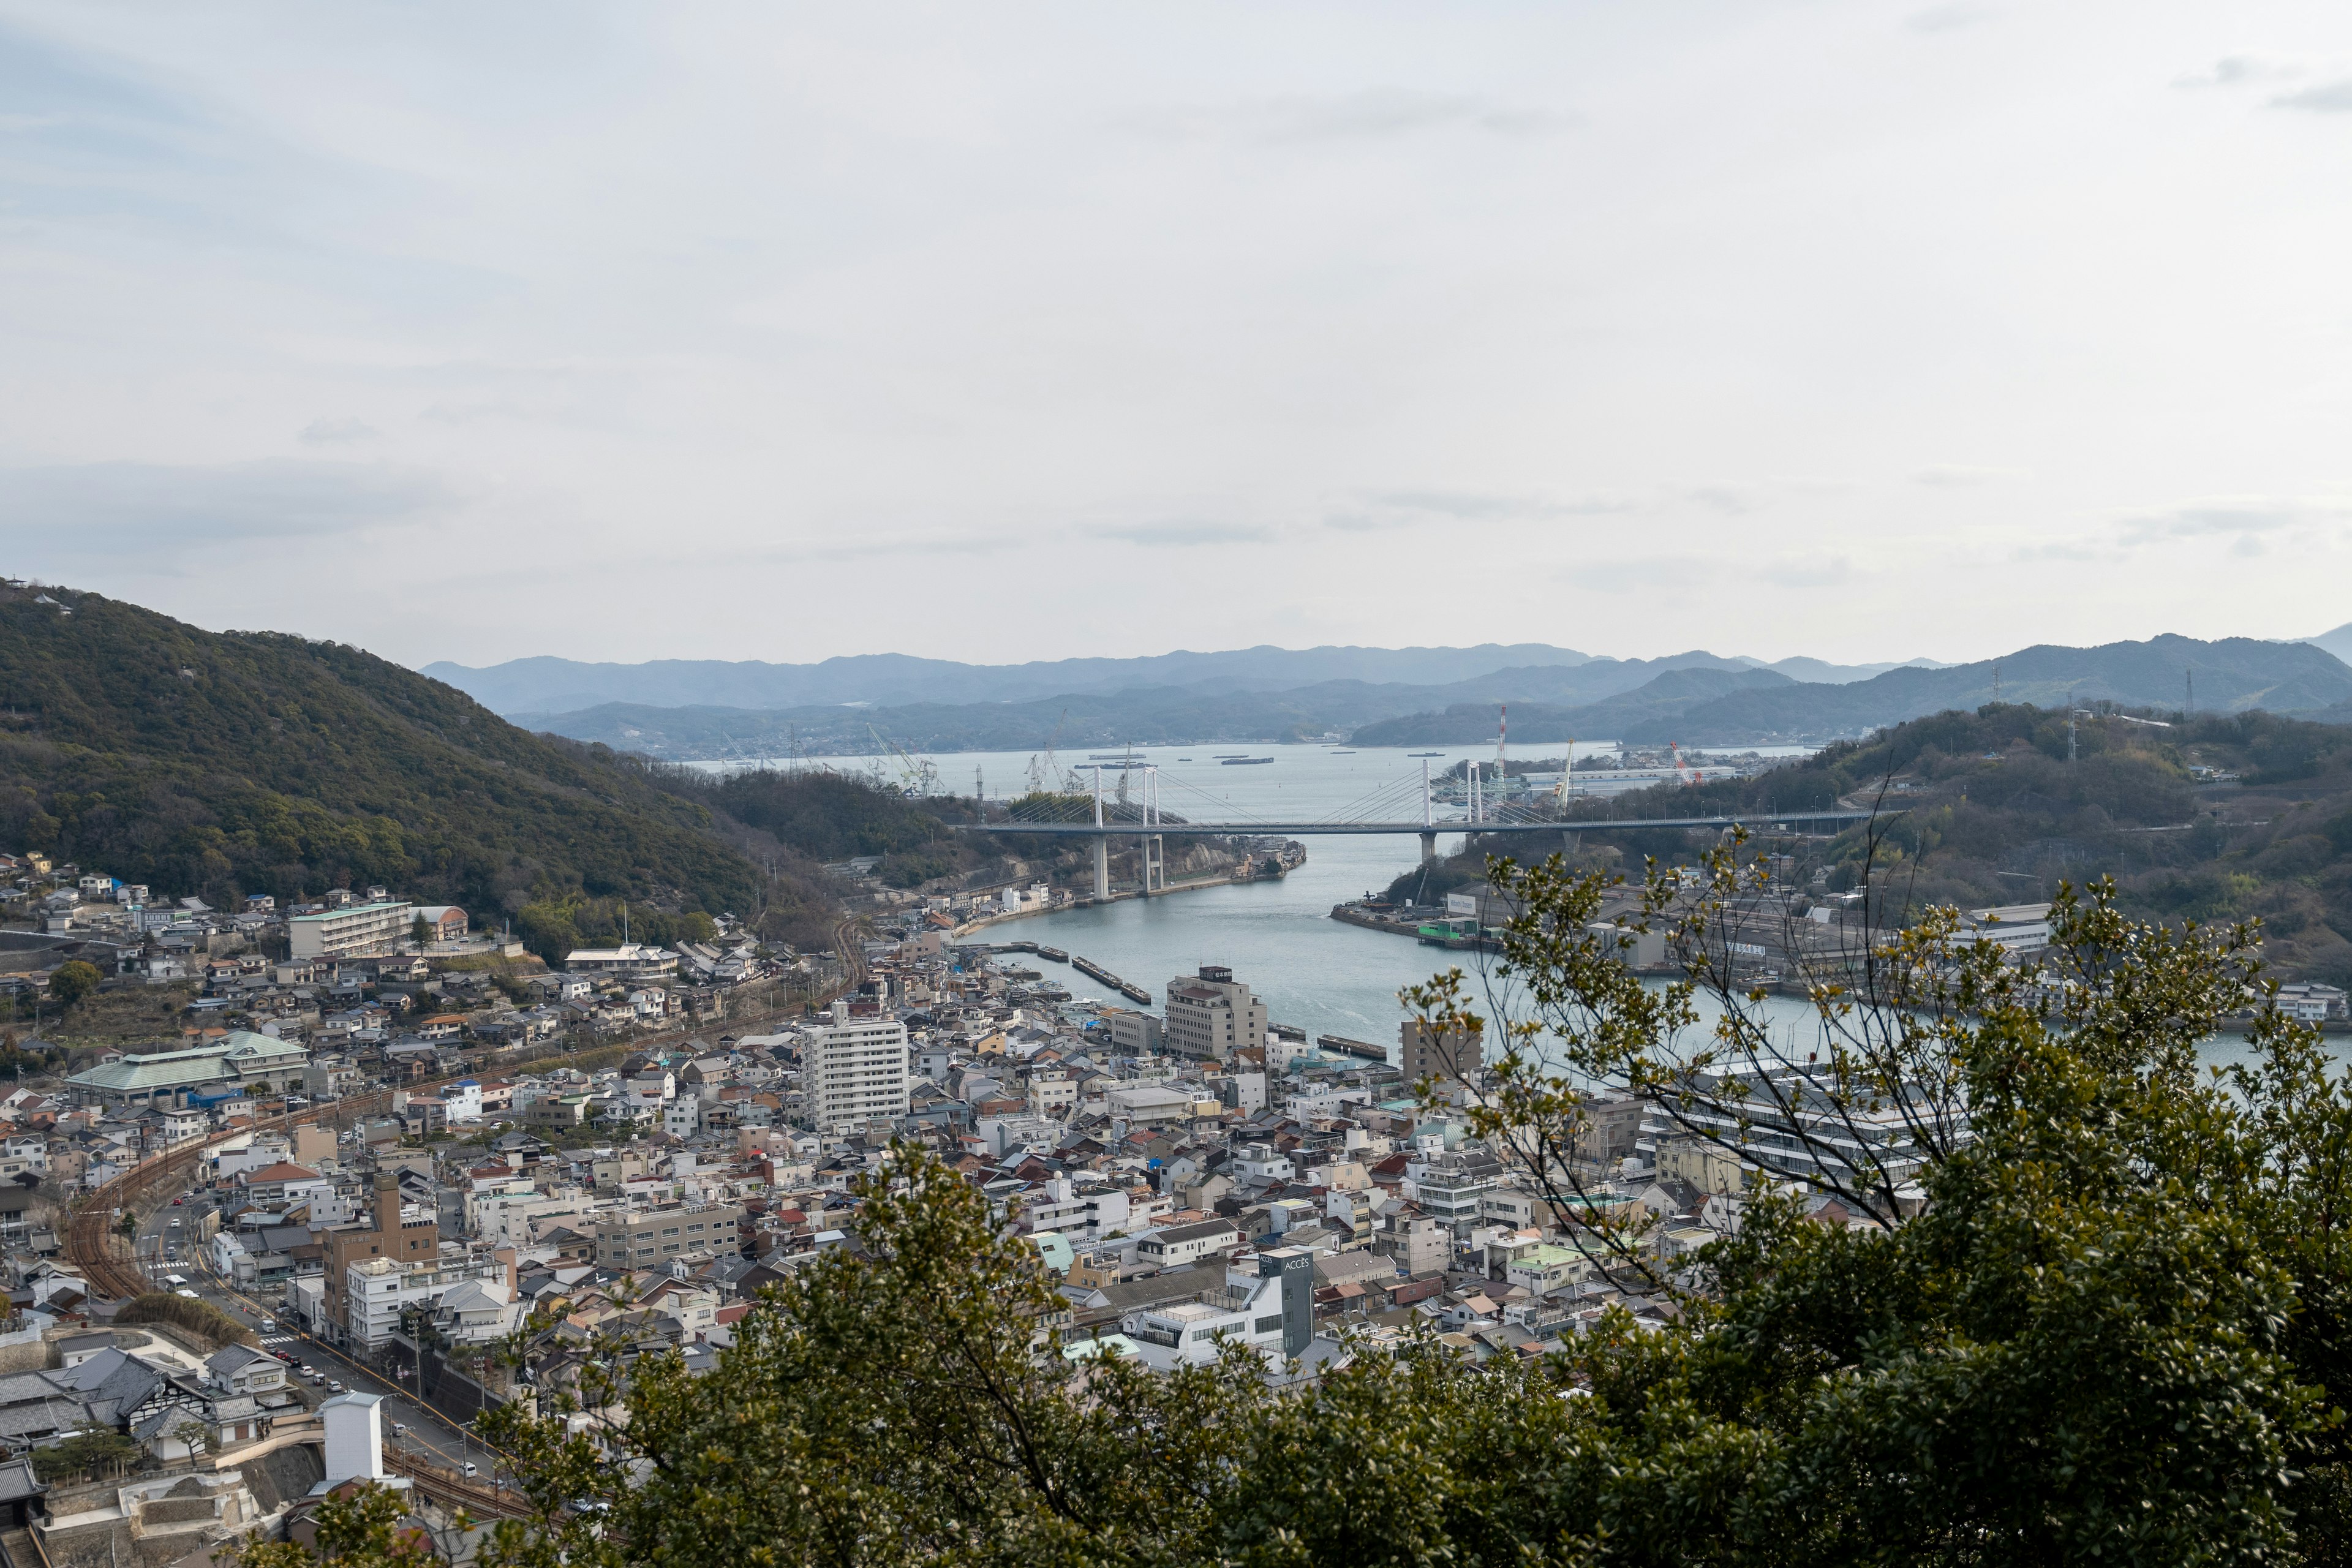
(443, 1440)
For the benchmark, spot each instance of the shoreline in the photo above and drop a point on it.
(1118, 896)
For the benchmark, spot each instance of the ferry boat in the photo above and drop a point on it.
(1244, 761)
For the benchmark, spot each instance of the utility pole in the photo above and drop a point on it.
(2191, 711)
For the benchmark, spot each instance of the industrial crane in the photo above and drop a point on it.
(916, 779)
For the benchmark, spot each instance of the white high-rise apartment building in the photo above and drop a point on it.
(855, 1070)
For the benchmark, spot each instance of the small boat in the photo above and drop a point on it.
(1244, 761)
(1343, 753)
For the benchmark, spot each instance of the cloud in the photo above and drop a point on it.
(2329, 98)
(1806, 571)
(1644, 572)
(1374, 114)
(1423, 508)
(2243, 518)
(1958, 476)
(899, 549)
(110, 508)
(1729, 499)
(1949, 18)
(1158, 534)
(2236, 70)
(328, 432)
(2063, 550)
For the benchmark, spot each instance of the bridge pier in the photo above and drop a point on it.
(1102, 867)
(1153, 863)
(1429, 849)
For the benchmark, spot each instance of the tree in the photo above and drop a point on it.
(2101, 1316)
(420, 931)
(72, 981)
(84, 1453)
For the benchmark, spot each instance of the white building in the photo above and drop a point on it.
(854, 1070)
(361, 929)
(1083, 1214)
(630, 961)
(682, 1117)
(378, 1289)
(2019, 928)
(1270, 1308)
(1213, 1015)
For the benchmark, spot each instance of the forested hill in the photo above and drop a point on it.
(220, 765)
(2221, 818)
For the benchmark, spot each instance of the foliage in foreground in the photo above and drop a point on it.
(2116, 1334)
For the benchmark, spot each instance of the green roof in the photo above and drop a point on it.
(217, 1061)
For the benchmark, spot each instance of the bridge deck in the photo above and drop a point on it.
(1306, 829)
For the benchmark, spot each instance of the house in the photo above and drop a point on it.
(444, 923)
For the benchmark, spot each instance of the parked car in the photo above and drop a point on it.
(191, 1295)
(308, 1370)
(334, 1387)
(400, 1428)
(469, 1468)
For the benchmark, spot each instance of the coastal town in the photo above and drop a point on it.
(396, 1157)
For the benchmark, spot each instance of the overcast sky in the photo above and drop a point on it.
(1005, 332)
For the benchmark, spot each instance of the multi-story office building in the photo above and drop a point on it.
(855, 1070)
(353, 933)
(648, 1238)
(1213, 1015)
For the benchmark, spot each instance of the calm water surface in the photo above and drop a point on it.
(1278, 938)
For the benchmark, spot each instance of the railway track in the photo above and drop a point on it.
(446, 1487)
(90, 1235)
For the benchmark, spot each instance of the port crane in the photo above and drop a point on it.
(1684, 772)
(916, 779)
(1044, 777)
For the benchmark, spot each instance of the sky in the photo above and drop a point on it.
(1004, 331)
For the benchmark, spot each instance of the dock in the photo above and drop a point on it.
(1088, 966)
(1341, 1045)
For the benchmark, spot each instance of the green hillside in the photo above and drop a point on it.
(2222, 817)
(222, 764)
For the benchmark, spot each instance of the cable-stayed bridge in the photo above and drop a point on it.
(1400, 806)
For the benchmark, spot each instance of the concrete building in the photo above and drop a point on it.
(1270, 1308)
(1137, 1034)
(405, 1233)
(854, 1071)
(205, 1073)
(2018, 928)
(645, 1238)
(1451, 1056)
(1213, 1015)
(630, 961)
(378, 1289)
(355, 932)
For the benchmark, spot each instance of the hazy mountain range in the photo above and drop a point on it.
(538, 687)
(1374, 696)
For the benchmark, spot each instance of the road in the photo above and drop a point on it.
(440, 1436)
